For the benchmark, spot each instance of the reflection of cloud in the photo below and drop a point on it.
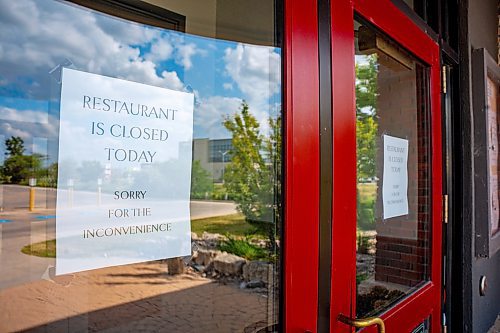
(32, 133)
(184, 55)
(172, 46)
(30, 116)
(160, 50)
(42, 34)
(29, 130)
(29, 119)
(256, 70)
(210, 113)
(39, 35)
(361, 60)
(8, 130)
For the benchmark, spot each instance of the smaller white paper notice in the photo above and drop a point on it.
(395, 177)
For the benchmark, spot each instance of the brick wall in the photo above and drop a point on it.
(403, 242)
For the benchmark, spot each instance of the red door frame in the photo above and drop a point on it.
(427, 300)
(301, 215)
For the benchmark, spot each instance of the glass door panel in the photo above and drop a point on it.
(393, 172)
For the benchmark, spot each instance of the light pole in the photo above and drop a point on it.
(223, 160)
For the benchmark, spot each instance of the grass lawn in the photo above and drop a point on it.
(45, 249)
(367, 191)
(234, 225)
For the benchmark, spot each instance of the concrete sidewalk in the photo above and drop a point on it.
(131, 298)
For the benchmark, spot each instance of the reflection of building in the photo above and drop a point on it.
(213, 155)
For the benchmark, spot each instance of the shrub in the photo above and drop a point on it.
(243, 248)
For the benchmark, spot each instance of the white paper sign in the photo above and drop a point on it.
(395, 177)
(124, 173)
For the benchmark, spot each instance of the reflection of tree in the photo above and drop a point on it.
(87, 175)
(14, 146)
(158, 182)
(90, 171)
(252, 178)
(366, 116)
(366, 136)
(17, 167)
(201, 182)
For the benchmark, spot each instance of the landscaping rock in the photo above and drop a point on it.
(211, 240)
(257, 271)
(199, 268)
(228, 264)
(205, 257)
(255, 284)
(175, 266)
(207, 236)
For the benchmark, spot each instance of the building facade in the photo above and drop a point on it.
(213, 155)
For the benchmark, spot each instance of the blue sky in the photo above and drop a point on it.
(37, 36)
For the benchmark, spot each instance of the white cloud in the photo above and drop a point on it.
(256, 70)
(174, 47)
(37, 36)
(27, 131)
(29, 116)
(184, 55)
(161, 50)
(209, 115)
(184, 51)
(8, 130)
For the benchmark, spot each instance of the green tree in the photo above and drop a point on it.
(17, 167)
(366, 135)
(90, 171)
(252, 177)
(201, 182)
(14, 146)
(366, 117)
(48, 176)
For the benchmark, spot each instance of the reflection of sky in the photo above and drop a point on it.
(37, 36)
(361, 59)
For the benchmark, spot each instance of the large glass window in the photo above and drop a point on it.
(140, 165)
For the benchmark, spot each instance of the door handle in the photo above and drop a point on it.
(360, 323)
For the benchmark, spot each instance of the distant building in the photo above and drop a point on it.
(214, 155)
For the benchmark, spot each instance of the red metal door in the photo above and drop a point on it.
(406, 266)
